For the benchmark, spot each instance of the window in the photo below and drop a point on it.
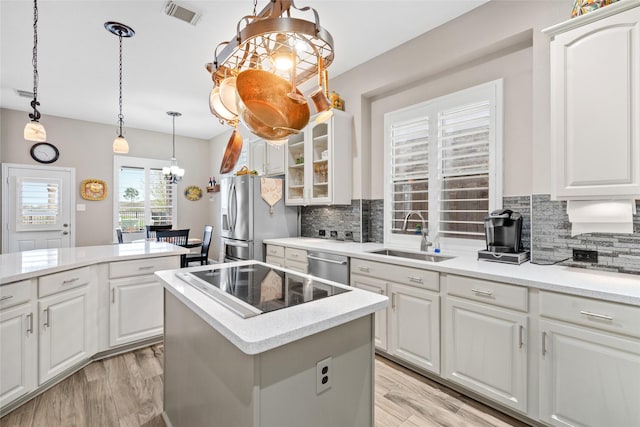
(142, 196)
(38, 204)
(443, 163)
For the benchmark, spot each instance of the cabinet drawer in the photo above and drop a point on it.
(15, 293)
(610, 316)
(63, 281)
(138, 267)
(300, 267)
(297, 255)
(275, 251)
(502, 294)
(274, 260)
(397, 273)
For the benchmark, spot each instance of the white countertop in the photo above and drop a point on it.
(28, 264)
(270, 330)
(617, 287)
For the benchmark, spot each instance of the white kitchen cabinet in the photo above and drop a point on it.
(589, 362)
(415, 326)
(68, 330)
(136, 310)
(274, 255)
(318, 163)
(18, 341)
(296, 259)
(595, 104)
(267, 159)
(380, 287)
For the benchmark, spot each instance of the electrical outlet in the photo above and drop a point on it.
(582, 255)
(322, 233)
(324, 374)
(334, 234)
(348, 235)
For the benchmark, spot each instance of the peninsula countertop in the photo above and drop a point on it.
(609, 286)
(273, 329)
(29, 264)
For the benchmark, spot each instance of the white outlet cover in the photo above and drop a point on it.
(320, 386)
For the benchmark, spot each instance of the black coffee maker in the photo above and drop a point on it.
(503, 234)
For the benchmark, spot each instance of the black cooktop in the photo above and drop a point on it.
(254, 289)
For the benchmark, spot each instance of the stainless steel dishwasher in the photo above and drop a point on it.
(329, 266)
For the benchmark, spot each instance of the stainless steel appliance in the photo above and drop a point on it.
(252, 289)
(247, 219)
(503, 233)
(329, 266)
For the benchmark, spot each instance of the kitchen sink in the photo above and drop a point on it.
(413, 255)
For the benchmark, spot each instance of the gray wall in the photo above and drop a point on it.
(87, 147)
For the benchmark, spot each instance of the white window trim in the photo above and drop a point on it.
(139, 162)
(494, 92)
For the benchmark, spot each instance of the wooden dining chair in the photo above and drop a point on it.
(177, 237)
(204, 249)
(151, 229)
(119, 234)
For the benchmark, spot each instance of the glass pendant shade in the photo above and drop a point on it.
(173, 173)
(34, 131)
(120, 145)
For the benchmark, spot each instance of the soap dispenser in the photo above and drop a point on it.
(436, 243)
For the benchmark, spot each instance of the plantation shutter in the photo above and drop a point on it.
(409, 172)
(463, 169)
(38, 204)
(161, 194)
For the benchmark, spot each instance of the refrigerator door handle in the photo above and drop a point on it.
(233, 206)
(238, 244)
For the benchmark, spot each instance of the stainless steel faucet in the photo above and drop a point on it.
(424, 243)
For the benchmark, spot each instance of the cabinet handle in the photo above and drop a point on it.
(521, 336)
(30, 328)
(393, 300)
(481, 292)
(365, 269)
(544, 343)
(414, 279)
(294, 255)
(46, 318)
(596, 315)
(382, 291)
(66, 282)
(113, 295)
(6, 297)
(146, 268)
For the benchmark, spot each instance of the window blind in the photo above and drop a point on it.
(463, 169)
(409, 172)
(39, 204)
(160, 198)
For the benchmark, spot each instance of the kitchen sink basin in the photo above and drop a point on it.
(412, 255)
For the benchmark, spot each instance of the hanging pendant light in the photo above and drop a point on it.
(173, 173)
(120, 144)
(34, 131)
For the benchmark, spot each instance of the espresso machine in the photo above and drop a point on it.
(503, 234)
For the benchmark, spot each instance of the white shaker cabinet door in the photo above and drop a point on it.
(486, 351)
(68, 330)
(595, 108)
(136, 309)
(378, 287)
(415, 326)
(588, 377)
(17, 352)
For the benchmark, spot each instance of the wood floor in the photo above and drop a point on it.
(126, 390)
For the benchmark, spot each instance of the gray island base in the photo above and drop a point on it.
(209, 381)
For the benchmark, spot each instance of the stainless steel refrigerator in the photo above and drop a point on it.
(247, 219)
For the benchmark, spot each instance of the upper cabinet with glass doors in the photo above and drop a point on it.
(318, 163)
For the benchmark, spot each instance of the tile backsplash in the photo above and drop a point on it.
(546, 231)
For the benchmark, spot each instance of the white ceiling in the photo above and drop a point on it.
(164, 62)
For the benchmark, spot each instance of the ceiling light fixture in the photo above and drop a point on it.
(34, 131)
(173, 173)
(120, 144)
(261, 40)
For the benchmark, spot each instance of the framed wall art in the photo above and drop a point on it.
(93, 189)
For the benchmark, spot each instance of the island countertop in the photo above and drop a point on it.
(29, 264)
(273, 329)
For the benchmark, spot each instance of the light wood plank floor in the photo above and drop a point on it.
(126, 391)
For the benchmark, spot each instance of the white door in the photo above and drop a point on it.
(37, 205)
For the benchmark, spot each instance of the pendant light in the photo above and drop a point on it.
(120, 144)
(173, 173)
(34, 131)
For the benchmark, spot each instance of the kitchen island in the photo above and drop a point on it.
(309, 360)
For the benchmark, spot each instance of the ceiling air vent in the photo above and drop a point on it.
(182, 13)
(24, 93)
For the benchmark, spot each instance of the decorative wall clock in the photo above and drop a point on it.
(43, 152)
(93, 189)
(193, 193)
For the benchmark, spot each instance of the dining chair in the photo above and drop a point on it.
(177, 237)
(151, 229)
(204, 248)
(119, 234)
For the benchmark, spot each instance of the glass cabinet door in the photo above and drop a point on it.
(321, 165)
(295, 177)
